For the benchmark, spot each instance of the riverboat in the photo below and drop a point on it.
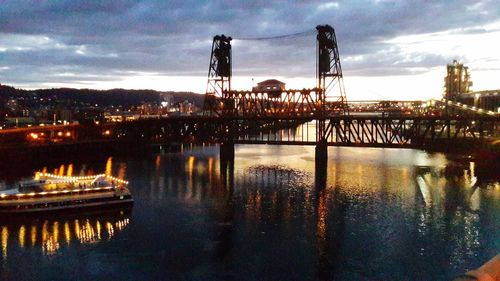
(50, 193)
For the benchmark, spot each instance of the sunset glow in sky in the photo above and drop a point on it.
(388, 49)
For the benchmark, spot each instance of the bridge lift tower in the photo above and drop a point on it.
(219, 75)
(329, 72)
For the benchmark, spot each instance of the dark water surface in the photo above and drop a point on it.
(383, 214)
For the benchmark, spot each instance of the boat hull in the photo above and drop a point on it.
(66, 206)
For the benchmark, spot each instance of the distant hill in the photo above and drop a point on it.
(102, 97)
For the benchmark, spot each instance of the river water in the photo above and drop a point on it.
(383, 214)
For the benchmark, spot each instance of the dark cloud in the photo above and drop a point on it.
(101, 40)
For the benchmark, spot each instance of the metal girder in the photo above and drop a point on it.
(405, 131)
(303, 102)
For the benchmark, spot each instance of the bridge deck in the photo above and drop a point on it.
(352, 130)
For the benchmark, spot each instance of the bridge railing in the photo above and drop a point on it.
(461, 109)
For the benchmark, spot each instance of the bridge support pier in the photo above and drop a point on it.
(321, 164)
(226, 156)
(226, 151)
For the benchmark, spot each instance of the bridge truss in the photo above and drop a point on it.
(443, 132)
(410, 132)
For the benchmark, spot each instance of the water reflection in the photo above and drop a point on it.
(375, 214)
(50, 234)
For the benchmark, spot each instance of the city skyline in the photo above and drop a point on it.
(388, 49)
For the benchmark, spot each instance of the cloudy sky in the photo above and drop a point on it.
(389, 49)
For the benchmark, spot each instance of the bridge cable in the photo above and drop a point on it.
(297, 34)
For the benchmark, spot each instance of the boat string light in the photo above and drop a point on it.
(72, 179)
(59, 192)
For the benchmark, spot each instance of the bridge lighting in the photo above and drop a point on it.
(107, 133)
(59, 134)
(68, 134)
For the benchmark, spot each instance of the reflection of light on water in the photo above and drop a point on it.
(50, 246)
(404, 173)
(33, 236)
(462, 224)
(22, 234)
(190, 166)
(267, 176)
(422, 227)
(466, 242)
(322, 216)
(51, 238)
(475, 199)
(258, 204)
(87, 234)
(111, 231)
(67, 233)
(5, 241)
(121, 224)
(45, 232)
(55, 230)
(49, 242)
(77, 229)
(424, 190)
(157, 162)
(210, 169)
(98, 227)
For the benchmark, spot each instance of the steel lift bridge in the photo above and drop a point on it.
(244, 109)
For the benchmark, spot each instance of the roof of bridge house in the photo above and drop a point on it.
(270, 82)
